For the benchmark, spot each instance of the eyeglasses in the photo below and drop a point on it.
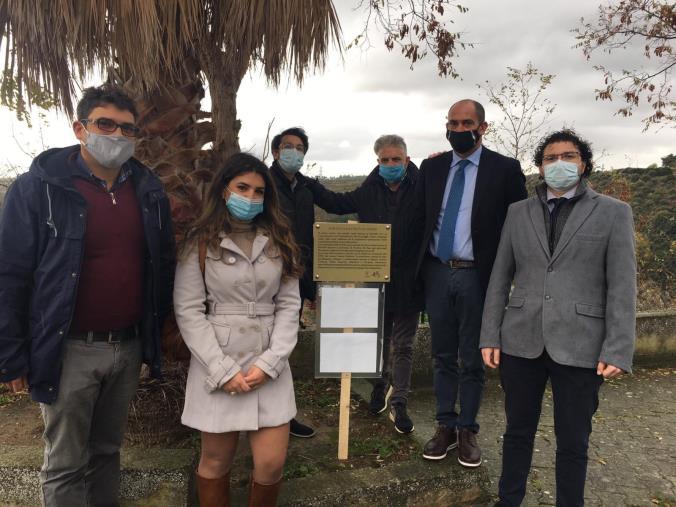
(109, 126)
(289, 146)
(567, 156)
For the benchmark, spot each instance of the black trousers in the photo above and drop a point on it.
(575, 392)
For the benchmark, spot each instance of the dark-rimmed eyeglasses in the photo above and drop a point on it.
(568, 156)
(109, 126)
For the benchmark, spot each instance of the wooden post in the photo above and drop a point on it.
(344, 421)
(344, 417)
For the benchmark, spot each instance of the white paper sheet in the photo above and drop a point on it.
(349, 307)
(348, 352)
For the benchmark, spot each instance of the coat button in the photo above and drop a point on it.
(548, 297)
(231, 260)
(61, 332)
(50, 389)
(73, 275)
(550, 269)
(256, 328)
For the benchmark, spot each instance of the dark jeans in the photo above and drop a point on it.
(85, 426)
(454, 301)
(398, 337)
(575, 392)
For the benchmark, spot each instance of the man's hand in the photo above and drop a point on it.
(18, 385)
(236, 384)
(435, 154)
(491, 356)
(608, 370)
(255, 377)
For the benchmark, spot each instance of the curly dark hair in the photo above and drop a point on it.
(562, 136)
(103, 95)
(215, 216)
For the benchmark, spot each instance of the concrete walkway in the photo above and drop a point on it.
(633, 444)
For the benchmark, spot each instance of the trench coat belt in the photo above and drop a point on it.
(251, 309)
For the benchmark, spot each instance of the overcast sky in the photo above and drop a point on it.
(373, 92)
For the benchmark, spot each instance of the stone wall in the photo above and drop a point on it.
(655, 345)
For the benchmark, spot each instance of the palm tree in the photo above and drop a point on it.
(162, 52)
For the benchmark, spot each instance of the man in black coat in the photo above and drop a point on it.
(462, 198)
(288, 150)
(387, 197)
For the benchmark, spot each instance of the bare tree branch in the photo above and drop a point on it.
(650, 24)
(417, 28)
(525, 110)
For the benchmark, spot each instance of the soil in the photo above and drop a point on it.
(373, 442)
(20, 419)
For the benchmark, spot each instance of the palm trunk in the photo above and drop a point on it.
(224, 81)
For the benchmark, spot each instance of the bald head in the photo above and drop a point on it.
(478, 108)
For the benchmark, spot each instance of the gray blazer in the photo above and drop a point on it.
(580, 302)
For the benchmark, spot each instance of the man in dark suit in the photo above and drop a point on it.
(462, 198)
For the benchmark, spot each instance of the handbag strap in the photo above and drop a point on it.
(202, 252)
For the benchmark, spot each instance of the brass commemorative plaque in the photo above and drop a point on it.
(352, 252)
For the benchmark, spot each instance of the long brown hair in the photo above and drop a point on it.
(216, 218)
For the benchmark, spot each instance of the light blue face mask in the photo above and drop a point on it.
(291, 160)
(242, 208)
(561, 175)
(392, 173)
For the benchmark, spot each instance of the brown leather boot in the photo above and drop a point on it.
(263, 495)
(213, 492)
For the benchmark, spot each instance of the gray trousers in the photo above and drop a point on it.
(398, 338)
(85, 426)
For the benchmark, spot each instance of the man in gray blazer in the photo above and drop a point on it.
(567, 254)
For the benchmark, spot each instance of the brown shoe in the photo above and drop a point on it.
(263, 495)
(444, 440)
(213, 492)
(469, 453)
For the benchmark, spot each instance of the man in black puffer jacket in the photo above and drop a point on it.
(386, 197)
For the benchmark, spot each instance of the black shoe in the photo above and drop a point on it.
(469, 452)
(300, 430)
(379, 397)
(402, 422)
(444, 440)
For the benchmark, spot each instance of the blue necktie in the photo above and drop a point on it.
(447, 232)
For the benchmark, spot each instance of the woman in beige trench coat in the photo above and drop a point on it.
(239, 319)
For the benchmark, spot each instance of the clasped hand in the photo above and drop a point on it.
(244, 382)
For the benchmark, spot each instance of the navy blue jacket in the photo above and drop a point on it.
(42, 231)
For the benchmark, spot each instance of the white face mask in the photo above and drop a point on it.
(109, 151)
(561, 175)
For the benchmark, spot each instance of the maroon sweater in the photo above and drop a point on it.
(110, 288)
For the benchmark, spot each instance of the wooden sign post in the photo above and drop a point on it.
(356, 259)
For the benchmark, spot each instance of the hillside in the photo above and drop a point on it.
(651, 193)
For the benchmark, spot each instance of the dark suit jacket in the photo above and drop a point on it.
(499, 183)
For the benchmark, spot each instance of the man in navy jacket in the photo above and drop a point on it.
(86, 269)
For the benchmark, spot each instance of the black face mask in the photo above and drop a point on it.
(464, 141)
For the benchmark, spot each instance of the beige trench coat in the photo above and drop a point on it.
(250, 318)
